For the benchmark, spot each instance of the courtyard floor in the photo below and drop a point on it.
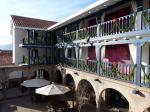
(22, 104)
(16, 101)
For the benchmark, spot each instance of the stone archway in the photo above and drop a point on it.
(69, 81)
(59, 78)
(112, 100)
(147, 110)
(41, 73)
(86, 97)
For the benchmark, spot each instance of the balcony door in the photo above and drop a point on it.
(34, 53)
(91, 53)
(92, 22)
(118, 13)
(117, 53)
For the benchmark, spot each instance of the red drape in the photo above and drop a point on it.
(91, 53)
(117, 53)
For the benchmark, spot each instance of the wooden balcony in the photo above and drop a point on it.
(134, 24)
(117, 71)
(38, 60)
(35, 43)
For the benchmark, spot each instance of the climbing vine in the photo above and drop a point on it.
(146, 19)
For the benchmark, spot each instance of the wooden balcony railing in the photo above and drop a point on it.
(137, 21)
(38, 41)
(145, 20)
(145, 75)
(118, 25)
(88, 65)
(71, 62)
(71, 36)
(38, 60)
(87, 32)
(118, 71)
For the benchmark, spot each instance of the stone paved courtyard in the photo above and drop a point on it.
(22, 104)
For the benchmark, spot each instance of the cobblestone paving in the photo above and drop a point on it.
(22, 104)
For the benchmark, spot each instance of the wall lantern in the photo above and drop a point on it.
(97, 80)
(76, 73)
(138, 37)
(105, 40)
(135, 91)
(125, 38)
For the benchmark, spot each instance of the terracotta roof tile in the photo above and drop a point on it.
(31, 22)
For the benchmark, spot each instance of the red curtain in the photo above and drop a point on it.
(91, 53)
(117, 53)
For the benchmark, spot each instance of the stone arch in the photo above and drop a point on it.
(59, 77)
(86, 96)
(147, 110)
(41, 73)
(112, 100)
(145, 107)
(69, 81)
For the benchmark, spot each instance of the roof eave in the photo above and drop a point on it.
(31, 28)
(99, 5)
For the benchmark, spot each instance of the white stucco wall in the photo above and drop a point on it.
(145, 54)
(83, 53)
(18, 52)
(145, 59)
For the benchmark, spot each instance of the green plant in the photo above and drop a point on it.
(26, 60)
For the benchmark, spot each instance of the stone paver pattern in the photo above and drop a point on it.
(22, 104)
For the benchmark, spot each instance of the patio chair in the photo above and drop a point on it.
(50, 108)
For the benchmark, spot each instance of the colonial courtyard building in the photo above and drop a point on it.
(102, 52)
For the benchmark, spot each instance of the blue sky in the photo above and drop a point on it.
(55, 10)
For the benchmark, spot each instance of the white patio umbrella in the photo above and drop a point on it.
(38, 82)
(52, 89)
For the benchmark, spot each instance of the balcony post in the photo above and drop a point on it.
(77, 34)
(98, 57)
(65, 54)
(139, 15)
(138, 21)
(77, 55)
(46, 56)
(33, 36)
(138, 63)
(98, 31)
(29, 56)
(28, 36)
